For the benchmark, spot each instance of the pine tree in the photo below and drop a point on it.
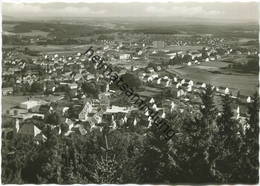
(68, 176)
(249, 164)
(15, 156)
(228, 142)
(50, 161)
(154, 164)
(208, 108)
(253, 121)
(194, 153)
(197, 163)
(106, 171)
(226, 119)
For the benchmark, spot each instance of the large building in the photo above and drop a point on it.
(158, 44)
(124, 56)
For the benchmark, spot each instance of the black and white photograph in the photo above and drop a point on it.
(131, 92)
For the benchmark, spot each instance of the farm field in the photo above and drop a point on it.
(246, 83)
(183, 48)
(11, 101)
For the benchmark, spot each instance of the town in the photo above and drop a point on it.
(54, 97)
(77, 89)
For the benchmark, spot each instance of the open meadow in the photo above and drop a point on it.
(206, 72)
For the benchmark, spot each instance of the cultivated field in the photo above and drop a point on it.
(11, 101)
(246, 83)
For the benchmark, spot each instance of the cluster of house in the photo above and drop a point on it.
(180, 86)
(57, 71)
(186, 91)
(88, 115)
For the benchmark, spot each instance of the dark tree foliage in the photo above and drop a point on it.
(154, 164)
(229, 141)
(249, 162)
(131, 80)
(208, 109)
(36, 87)
(90, 89)
(52, 118)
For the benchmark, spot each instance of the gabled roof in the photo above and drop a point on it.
(29, 129)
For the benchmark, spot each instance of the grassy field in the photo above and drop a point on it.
(35, 33)
(246, 83)
(236, 59)
(11, 101)
(183, 48)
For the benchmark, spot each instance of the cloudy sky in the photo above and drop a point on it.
(230, 11)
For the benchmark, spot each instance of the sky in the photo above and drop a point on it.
(244, 11)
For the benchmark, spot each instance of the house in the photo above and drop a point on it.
(95, 117)
(80, 129)
(70, 123)
(31, 104)
(189, 89)
(116, 109)
(203, 85)
(150, 69)
(7, 91)
(104, 99)
(78, 77)
(24, 116)
(226, 91)
(90, 77)
(124, 56)
(195, 55)
(29, 129)
(140, 52)
(83, 115)
(158, 44)
(72, 86)
(180, 93)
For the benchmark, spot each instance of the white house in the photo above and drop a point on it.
(203, 85)
(178, 85)
(172, 106)
(189, 88)
(163, 115)
(191, 83)
(135, 122)
(168, 83)
(226, 91)
(31, 104)
(180, 93)
(30, 130)
(83, 115)
(73, 85)
(248, 100)
(124, 56)
(237, 112)
(159, 81)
